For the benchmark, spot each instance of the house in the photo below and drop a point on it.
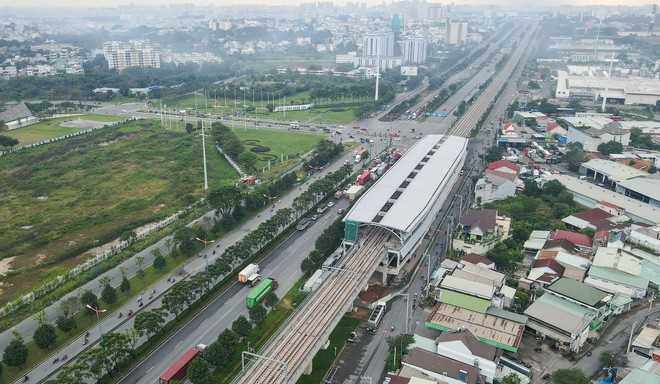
(555, 129)
(441, 368)
(503, 166)
(536, 241)
(592, 137)
(462, 345)
(646, 236)
(619, 271)
(584, 295)
(647, 342)
(581, 220)
(478, 260)
(17, 116)
(560, 320)
(583, 243)
(561, 245)
(479, 230)
(508, 130)
(495, 185)
(575, 267)
(543, 272)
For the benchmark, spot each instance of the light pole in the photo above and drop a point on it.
(206, 177)
(98, 319)
(206, 259)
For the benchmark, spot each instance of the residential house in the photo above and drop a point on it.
(478, 260)
(584, 295)
(503, 166)
(495, 185)
(462, 345)
(645, 235)
(581, 220)
(619, 271)
(536, 241)
(575, 267)
(543, 272)
(583, 242)
(479, 230)
(442, 368)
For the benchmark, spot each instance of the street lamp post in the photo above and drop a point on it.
(98, 319)
(206, 259)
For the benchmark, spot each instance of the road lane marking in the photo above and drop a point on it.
(149, 370)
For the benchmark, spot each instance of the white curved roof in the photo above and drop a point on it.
(409, 203)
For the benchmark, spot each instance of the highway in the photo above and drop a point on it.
(290, 351)
(283, 264)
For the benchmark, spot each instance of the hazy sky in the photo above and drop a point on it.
(111, 3)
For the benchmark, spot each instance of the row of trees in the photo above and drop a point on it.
(325, 245)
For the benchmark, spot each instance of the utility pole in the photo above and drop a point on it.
(632, 330)
(206, 176)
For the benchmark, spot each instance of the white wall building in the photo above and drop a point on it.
(134, 53)
(456, 33)
(414, 50)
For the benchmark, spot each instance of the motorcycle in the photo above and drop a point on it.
(130, 312)
(26, 378)
(57, 360)
(121, 315)
(589, 353)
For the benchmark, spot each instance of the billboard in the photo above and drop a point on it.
(408, 71)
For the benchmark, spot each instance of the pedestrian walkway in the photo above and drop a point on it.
(27, 326)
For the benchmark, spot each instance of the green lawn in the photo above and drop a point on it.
(48, 129)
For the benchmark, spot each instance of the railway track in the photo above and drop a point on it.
(296, 343)
(464, 126)
(291, 349)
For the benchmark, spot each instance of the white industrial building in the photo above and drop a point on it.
(593, 86)
(406, 199)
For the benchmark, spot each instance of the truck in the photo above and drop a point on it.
(248, 271)
(363, 178)
(339, 194)
(321, 209)
(179, 370)
(257, 294)
(253, 279)
(361, 155)
(376, 316)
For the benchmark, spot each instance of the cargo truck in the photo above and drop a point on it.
(253, 279)
(339, 194)
(248, 271)
(257, 294)
(179, 370)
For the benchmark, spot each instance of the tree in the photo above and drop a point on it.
(189, 127)
(7, 141)
(198, 371)
(494, 154)
(108, 294)
(125, 285)
(45, 336)
(16, 353)
(575, 156)
(89, 298)
(531, 188)
(149, 322)
(1, 368)
(139, 260)
(224, 199)
(221, 350)
(605, 358)
(159, 262)
(241, 326)
(70, 305)
(258, 314)
(271, 300)
(65, 324)
(511, 378)
(610, 147)
(570, 376)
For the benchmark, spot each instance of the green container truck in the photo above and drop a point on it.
(257, 294)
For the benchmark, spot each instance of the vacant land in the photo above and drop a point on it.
(280, 142)
(52, 128)
(57, 200)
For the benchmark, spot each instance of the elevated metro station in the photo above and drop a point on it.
(407, 198)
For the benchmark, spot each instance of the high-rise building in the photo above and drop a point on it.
(435, 12)
(396, 23)
(134, 53)
(414, 50)
(379, 44)
(456, 33)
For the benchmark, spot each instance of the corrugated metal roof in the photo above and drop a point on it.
(613, 275)
(578, 291)
(464, 301)
(560, 313)
(410, 202)
(16, 112)
(470, 287)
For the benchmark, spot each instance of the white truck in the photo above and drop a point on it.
(244, 275)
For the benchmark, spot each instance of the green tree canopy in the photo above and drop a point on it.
(45, 336)
(610, 147)
(16, 353)
(198, 371)
(570, 376)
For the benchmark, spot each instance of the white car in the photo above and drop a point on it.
(315, 217)
(330, 204)
(340, 211)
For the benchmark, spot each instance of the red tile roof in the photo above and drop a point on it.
(575, 238)
(503, 163)
(474, 258)
(592, 215)
(605, 203)
(549, 263)
(551, 126)
(564, 244)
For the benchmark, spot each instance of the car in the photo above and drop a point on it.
(330, 204)
(315, 217)
(340, 211)
(416, 137)
(352, 337)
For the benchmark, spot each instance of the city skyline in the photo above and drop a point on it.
(115, 3)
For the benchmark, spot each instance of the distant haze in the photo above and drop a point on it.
(113, 3)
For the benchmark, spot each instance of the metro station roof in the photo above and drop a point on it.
(400, 199)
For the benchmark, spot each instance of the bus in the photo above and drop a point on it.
(302, 224)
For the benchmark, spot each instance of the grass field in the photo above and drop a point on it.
(48, 129)
(58, 199)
